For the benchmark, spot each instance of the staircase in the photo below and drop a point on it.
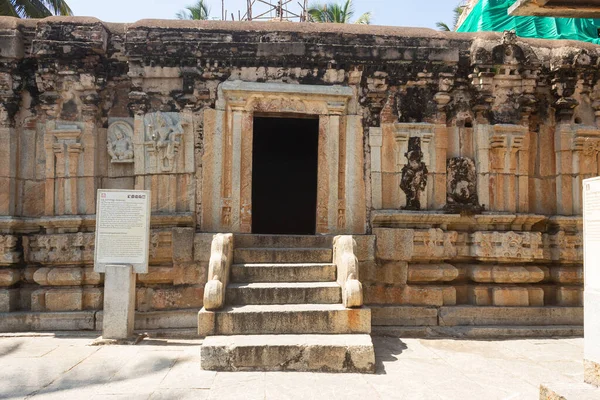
(283, 311)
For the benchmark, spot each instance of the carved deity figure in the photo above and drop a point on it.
(165, 135)
(414, 175)
(461, 188)
(120, 147)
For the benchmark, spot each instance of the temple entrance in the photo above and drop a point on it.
(284, 175)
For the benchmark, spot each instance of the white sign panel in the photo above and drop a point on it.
(122, 229)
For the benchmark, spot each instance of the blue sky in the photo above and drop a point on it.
(418, 13)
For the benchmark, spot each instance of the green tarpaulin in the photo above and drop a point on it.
(492, 15)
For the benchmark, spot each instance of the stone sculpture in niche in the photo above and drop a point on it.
(461, 189)
(164, 132)
(120, 146)
(414, 175)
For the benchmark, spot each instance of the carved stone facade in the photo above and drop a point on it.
(456, 165)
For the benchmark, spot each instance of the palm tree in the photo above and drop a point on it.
(336, 13)
(200, 10)
(458, 10)
(34, 8)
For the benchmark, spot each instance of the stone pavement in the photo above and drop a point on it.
(65, 367)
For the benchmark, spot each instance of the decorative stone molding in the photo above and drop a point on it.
(502, 154)
(576, 152)
(219, 268)
(507, 246)
(505, 274)
(344, 257)
(59, 249)
(66, 276)
(564, 247)
(435, 244)
(8, 250)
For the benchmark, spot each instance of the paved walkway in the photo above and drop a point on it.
(65, 367)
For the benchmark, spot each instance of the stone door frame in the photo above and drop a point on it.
(227, 159)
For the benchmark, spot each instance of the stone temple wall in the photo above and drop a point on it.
(455, 159)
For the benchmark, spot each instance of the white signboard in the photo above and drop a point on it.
(122, 229)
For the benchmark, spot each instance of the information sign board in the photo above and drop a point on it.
(122, 229)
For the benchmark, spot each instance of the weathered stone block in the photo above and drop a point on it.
(419, 273)
(365, 247)
(9, 300)
(183, 244)
(392, 272)
(333, 353)
(177, 297)
(92, 278)
(569, 275)
(92, 299)
(157, 275)
(47, 321)
(403, 316)
(9, 277)
(480, 295)
(449, 295)
(38, 300)
(202, 243)
(536, 297)
(505, 274)
(394, 244)
(193, 273)
(510, 296)
(404, 295)
(569, 296)
(513, 316)
(64, 299)
(65, 277)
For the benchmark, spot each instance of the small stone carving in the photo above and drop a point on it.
(414, 174)
(120, 146)
(461, 187)
(507, 246)
(8, 250)
(164, 132)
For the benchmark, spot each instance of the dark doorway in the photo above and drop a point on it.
(284, 175)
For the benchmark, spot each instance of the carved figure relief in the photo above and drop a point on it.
(163, 135)
(461, 187)
(414, 175)
(119, 143)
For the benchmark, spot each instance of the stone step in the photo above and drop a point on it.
(279, 241)
(282, 255)
(283, 273)
(284, 293)
(284, 319)
(323, 353)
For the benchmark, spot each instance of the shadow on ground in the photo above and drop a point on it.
(387, 349)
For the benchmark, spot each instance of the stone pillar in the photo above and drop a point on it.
(376, 141)
(119, 302)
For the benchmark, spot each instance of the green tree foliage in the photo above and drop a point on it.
(336, 13)
(34, 8)
(458, 10)
(200, 11)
